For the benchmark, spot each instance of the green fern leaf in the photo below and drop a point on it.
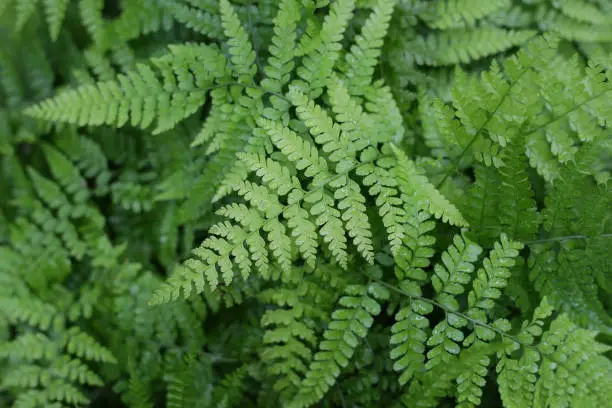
(517, 377)
(581, 365)
(83, 345)
(142, 96)
(318, 63)
(459, 13)
(56, 12)
(461, 47)
(347, 191)
(518, 214)
(35, 313)
(25, 9)
(241, 50)
(197, 17)
(138, 393)
(288, 339)
(307, 159)
(568, 276)
(583, 11)
(487, 288)
(282, 50)
(363, 56)
(408, 339)
(416, 188)
(348, 325)
(93, 20)
(481, 206)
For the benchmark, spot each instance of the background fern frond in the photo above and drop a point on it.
(458, 13)
(461, 47)
(148, 97)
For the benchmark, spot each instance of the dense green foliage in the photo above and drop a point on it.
(345, 203)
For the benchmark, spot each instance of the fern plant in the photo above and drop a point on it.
(305, 203)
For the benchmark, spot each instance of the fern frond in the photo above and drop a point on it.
(582, 11)
(464, 46)
(410, 330)
(180, 384)
(565, 368)
(380, 102)
(50, 193)
(137, 18)
(282, 50)
(307, 158)
(55, 11)
(461, 136)
(138, 393)
(142, 96)
(88, 156)
(459, 13)
(518, 214)
(348, 325)
(487, 288)
(436, 117)
(568, 276)
(481, 205)
(74, 371)
(327, 188)
(470, 383)
(318, 63)
(453, 273)
(132, 196)
(290, 334)
(517, 377)
(347, 192)
(417, 189)
(93, 20)
(416, 252)
(38, 70)
(26, 376)
(240, 48)
(60, 391)
(33, 312)
(33, 398)
(460, 333)
(29, 347)
(427, 390)
(362, 59)
(214, 122)
(571, 27)
(330, 162)
(408, 339)
(448, 281)
(279, 180)
(57, 391)
(25, 9)
(11, 82)
(232, 386)
(67, 175)
(563, 112)
(574, 111)
(200, 19)
(375, 167)
(83, 345)
(237, 123)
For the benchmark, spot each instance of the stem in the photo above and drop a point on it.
(473, 321)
